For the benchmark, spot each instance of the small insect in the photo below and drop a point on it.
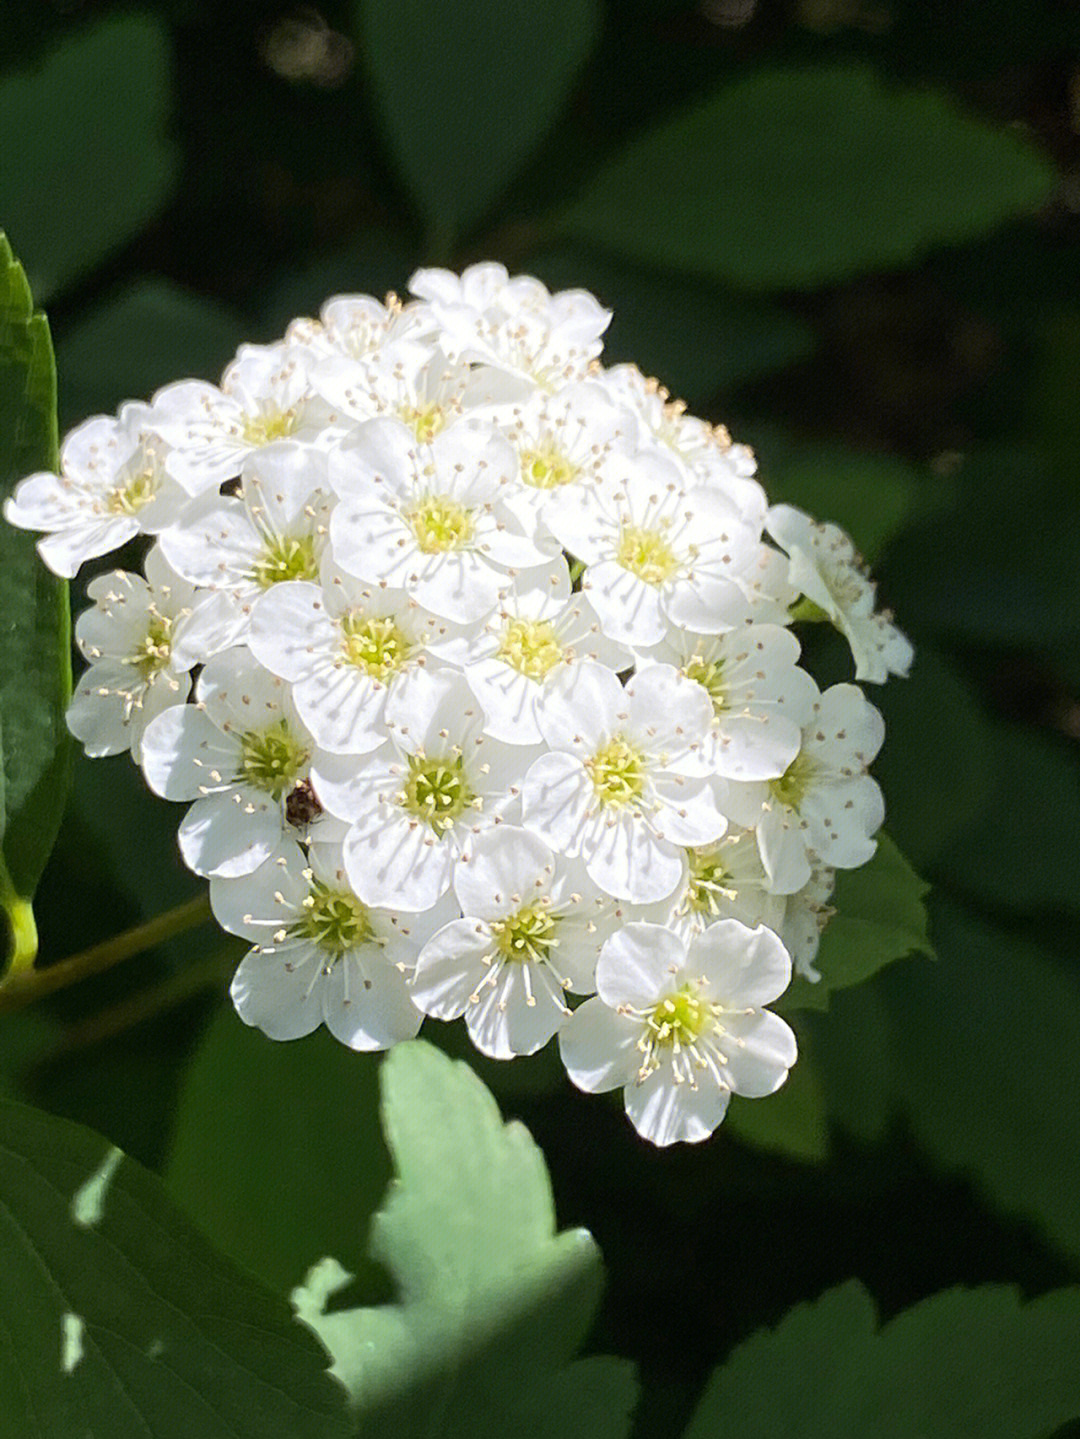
(302, 806)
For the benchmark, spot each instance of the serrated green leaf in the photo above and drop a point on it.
(129, 346)
(793, 1123)
(94, 166)
(964, 1362)
(880, 917)
(35, 626)
(799, 178)
(468, 92)
(493, 1302)
(299, 1121)
(117, 1319)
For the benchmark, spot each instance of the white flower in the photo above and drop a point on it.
(625, 784)
(760, 697)
(724, 880)
(358, 327)
(515, 326)
(241, 753)
(275, 529)
(657, 553)
(429, 519)
(134, 638)
(413, 384)
(265, 396)
(510, 659)
(320, 956)
(533, 926)
(805, 919)
(680, 1028)
(414, 803)
(825, 803)
(825, 566)
(349, 650)
(112, 485)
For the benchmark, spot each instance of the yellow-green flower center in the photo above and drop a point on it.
(546, 469)
(333, 919)
(647, 554)
(154, 649)
(679, 1019)
(437, 791)
(709, 674)
(708, 881)
(527, 936)
(130, 496)
(425, 421)
(531, 647)
(286, 558)
(269, 426)
(790, 789)
(374, 644)
(618, 772)
(439, 524)
(272, 758)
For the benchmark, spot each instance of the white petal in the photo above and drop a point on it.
(184, 754)
(273, 995)
(667, 1113)
(230, 834)
(450, 968)
(744, 967)
(599, 1047)
(366, 1002)
(638, 965)
(503, 870)
(760, 1049)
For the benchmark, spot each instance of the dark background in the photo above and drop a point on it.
(243, 170)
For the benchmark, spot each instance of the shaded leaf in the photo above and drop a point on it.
(880, 917)
(298, 1121)
(468, 92)
(117, 1319)
(974, 1361)
(35, 627)
(797, 178)
(89, 127)
(793, 1122)
(978, 1053)
(493, 1302)
(151, 333)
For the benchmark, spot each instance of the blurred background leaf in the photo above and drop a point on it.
(88, 123)
(783, 163)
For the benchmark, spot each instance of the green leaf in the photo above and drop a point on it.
(35, 625)
(793, 1123)
(978, 1053)
(94, 165)
(799, 178)
(299, 1121)
(880, 917)
(937, 773)
(873, 497)
(117, 1319)
(964, 1362)
(468, 92)
(490, 1295)
(149, 334)
(1018, 853)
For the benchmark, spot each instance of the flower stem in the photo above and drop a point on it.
(23, 986)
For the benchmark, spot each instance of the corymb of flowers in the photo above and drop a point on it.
(473, 662)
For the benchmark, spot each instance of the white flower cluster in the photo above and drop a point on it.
(497, 697)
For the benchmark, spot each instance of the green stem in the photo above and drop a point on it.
(807, 610)
(22, 986)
